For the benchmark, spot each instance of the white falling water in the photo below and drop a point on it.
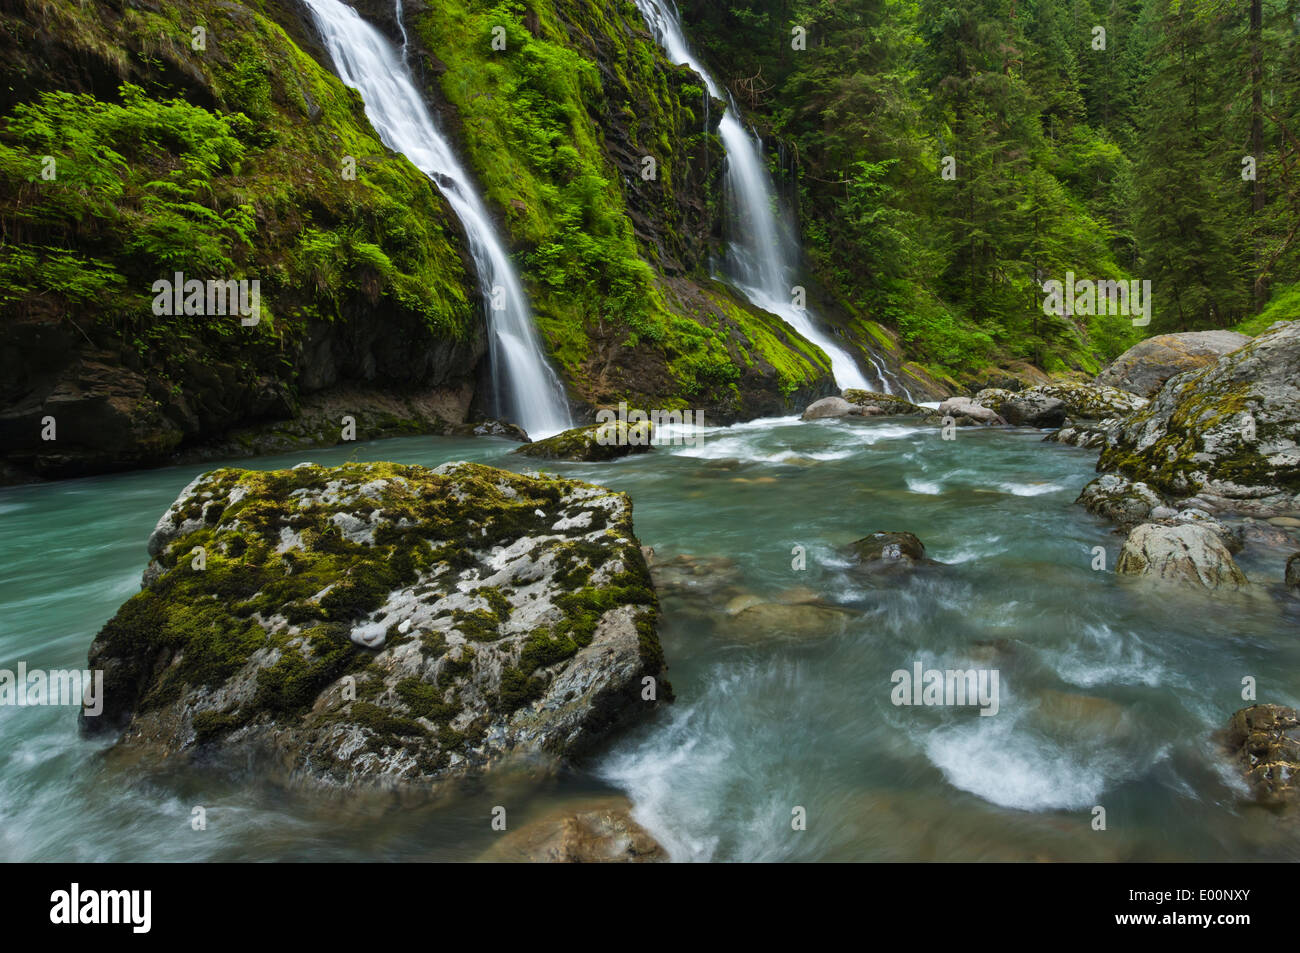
(525, 388)
(763, 248)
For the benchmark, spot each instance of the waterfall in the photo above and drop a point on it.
(525, 389)
(763, 247)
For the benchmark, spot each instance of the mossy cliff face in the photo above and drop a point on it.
(603, 160)
(378, 623)
(1228, 435)
(130, 155)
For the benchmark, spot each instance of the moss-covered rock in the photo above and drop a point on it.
(594, 443)
(1265, 741)
(1228, 435)
(378, 623)
(888, 404)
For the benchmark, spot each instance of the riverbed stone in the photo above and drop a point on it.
(1293, 573)
(1265, 740)
(595, 443)
(382, 624)
(830, 407)
(888, 404)
(598, 831)
(1187, 554)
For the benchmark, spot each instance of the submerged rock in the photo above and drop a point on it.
(1293, 573)
(1144, 368)
(882, 551)
(1228, 434)
(1189, 554)
(1266, 742)
(888, 405)
(593, 444)
(599, 832)
(383, 623)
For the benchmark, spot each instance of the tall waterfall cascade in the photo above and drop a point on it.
(763, 247)
(525, 389)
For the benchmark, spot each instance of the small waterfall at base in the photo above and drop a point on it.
(525, 388)
(763, 247)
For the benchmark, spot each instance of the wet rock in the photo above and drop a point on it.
(1088, 401)
(686, 575)
(1144, 368)
(884, 551)
(887, 404)
(967, 413)
(593, 444)
(1124, 502)
(1187, 554)
(768, 620)
(599, 832)
(381, 624)
(1266, 742)
(830, 407)
(1228, 434)
(1031, 408)
(1293, 573)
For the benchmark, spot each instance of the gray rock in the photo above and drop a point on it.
(966, 412)
(889, 405)
(1144, 368)
(830, 407)
(1122, 501)
(1088, 401)
(381, 624)
(1228, 434)
(1030, 408)
(1189, 554)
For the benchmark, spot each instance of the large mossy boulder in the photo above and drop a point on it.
(595, 443)
(1228, 434)
(1266, 742)
(1087, 401)
(385, 624)
(1144, 368)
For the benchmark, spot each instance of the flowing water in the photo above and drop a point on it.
(525, 389)
(763, 250)
(1110, 695)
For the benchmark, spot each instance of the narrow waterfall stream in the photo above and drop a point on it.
(525, 388)
(763, 247)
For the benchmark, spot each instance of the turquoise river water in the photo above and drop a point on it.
(1110, 693)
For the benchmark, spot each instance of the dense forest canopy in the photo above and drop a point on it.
(1156, 140)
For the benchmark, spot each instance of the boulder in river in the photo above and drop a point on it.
(884, 551)
(1122, 501)
(1087, 401)
(594, 443)
(600, 831)
(380, 623)
(1030, 408)
(1188, 554)
(1266, 742)
(1228, 434)
(831, 407)
(1144, 368)
(966, 413)
(889, 405)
